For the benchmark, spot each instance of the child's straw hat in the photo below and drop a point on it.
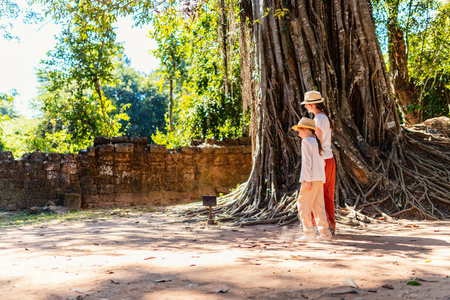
(305, 123)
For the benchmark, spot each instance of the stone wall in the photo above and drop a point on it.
(121, 172)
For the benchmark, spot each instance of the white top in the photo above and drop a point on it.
(313, 164)
(324, 124)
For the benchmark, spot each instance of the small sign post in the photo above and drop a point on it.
(210, 201)
(372, 152)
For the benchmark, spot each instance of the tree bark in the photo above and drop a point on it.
(331, 46)
(398, 68)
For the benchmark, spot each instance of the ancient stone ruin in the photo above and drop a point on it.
(123, 172)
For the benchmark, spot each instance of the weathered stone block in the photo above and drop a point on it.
(5, 172)
(106, 159)
(188, 150)
(37, 156)
(103, 180)
(158, 149)
(139, 140)
(101, 140)
(222, 150)
(125, 199)
(53, 156)
(90, 151)
(106, 189)
(122, 157)
(123, 188)
(90, 201)
(105, 170)
(51, 165)
(32, 183)
(89, 189)
(206, 149)
(124, 148)
(69, 168)
(106, 200)
(72, 201)
(119, 139)
(6, 155)
(53, 176)
(104, 148)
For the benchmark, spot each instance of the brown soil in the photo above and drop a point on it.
(125, 257)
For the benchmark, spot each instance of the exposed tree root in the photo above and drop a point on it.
(412, 181)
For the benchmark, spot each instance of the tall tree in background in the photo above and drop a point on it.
(147, 106)
(209, 102)
(169, 34)
(403, 21)
(84, 57)
(332, 46)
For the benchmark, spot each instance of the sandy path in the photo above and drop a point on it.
(122, 258)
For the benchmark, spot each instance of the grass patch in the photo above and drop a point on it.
(17, 219)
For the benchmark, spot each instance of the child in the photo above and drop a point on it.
(312, 178)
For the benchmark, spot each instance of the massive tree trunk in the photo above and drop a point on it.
(332, 46)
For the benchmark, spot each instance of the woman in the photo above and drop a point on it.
(314, 104)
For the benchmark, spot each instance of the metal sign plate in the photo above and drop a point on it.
(209, 200)
(372, 151)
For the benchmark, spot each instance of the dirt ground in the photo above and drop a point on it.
(160, 255)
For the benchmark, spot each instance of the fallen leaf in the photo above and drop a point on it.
(427, 261)
(162, 280)
(151, 257)
(413, 282)
(192, 265)
(294, 256)
(378, 255)
(351, 283)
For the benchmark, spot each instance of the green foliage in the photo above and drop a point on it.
(6, 113)
(426, 30)
(19, 136)
(11, 10)
(147, 105)
(171, 37)
(71, 96)
(204, 107)
(429, 65)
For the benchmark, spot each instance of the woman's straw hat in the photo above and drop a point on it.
(312, 97)
(305, 123)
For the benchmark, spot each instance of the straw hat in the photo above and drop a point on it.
(312, 97)
(305, 123)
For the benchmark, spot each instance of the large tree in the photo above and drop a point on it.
(332, 46)
(290, 47)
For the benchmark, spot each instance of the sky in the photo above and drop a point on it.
(19, 60)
